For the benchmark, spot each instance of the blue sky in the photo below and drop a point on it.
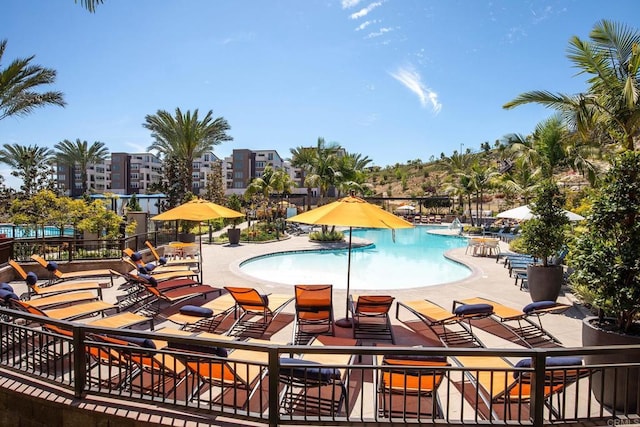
(394, 80)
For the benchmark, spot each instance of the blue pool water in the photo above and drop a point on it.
(19, 232)
(415, 259)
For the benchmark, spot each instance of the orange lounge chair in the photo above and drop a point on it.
(67, 313)
(407, 385)
(57, 275)
(370, 314)
(504, 390)
(173, 296)
(33, 288)
(441, 321)
(314, 312)
(62, 299)
(134, 259)
(519, 322)
(252, 305)
(207, 316)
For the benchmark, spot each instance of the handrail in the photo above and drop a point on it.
(566, 398)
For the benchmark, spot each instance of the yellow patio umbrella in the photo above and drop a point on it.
(197, 210)
(351, 212)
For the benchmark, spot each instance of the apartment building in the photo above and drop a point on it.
(244, 165)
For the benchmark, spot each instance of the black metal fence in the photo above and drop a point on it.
(321, 383)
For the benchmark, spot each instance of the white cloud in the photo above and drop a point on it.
(380, 32)
(348, 4)
(412, 81)
(365, 24)
(365, 11)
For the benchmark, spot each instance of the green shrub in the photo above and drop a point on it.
(329, 236)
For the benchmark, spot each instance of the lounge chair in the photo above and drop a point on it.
(530, 333)
(173, 296)
(440, 321)
(32, 284)
(62, 299)
(67, 313)
(137, 265)
(316, 383)
(57, 276)
(407, 385)
(370, 314)
(314, 312)
(205, 317)
(503, 391)
(256, 310)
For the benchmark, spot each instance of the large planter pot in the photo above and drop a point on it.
(544, 282)
(234, 236)
(606, 384)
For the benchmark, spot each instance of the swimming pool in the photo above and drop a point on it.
(415, 259)
(20, 232)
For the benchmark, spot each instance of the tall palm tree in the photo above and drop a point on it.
(522, 180)
(18, 84)
(30, 163)
(185, 137)
(320, 164)
(80, 154)
(90, 5)
(609, 111)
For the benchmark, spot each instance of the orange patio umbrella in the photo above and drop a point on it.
(351, 212)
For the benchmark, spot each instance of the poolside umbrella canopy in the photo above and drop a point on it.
(524, 212)
(197, 210)
(351, 212)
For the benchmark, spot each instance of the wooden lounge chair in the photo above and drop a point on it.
(134, 259)
(407, 385)
(58, 276)
(314, 312)
(173, 296)
(441, 321)
(67, 313)
(62, 299)
(370, 314)
(254, 311)
(501, 390)
(205, 317)
(316, 383)
(519, 322)
(33, 288)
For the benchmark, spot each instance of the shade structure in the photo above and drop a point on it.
(524, 212)
(351, 212)
(197, 210)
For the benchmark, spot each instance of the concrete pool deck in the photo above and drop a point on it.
(488, 280)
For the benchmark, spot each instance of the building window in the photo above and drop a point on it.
(260, 164)
(270, 156)
(196, 165)
(237, 185)
(238, 175)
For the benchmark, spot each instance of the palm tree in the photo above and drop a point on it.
(30, 163)
(90, 5)
(482, 178)
(609, 111)
(79, 154)
(185, 137)
(18, 83)
(320, 164)
(522, 180)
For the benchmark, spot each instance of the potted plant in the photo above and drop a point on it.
(543, 236)
(233, 233)
(186, 231)
(606, 265)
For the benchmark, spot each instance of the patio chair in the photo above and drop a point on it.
(519, 322)
(370, 314)
(257, 310)
(316, 383)
(474, 243)
(406, 385)
(32, 284)
(440, 321)
(314, 312)
(169, 260)
(56, 275)
(205, 317)
(502, 391)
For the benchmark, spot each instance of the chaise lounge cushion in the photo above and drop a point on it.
(52, 266)
(197, 311)
(31, 279)
(139, 341)
(308, 373)
(471, 309)
(197, 348)
(538, 305)
(151, 281)
(136, 256)
(550, 362)
(6, 296)
(6, 286)
(162, 260)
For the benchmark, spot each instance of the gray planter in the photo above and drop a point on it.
(544, 282)
(613, 389)
(234, 236)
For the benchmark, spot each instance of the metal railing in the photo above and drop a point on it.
(278, 384)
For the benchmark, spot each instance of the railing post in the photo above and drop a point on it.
(537, 388)
(79, 364)
(274, 386)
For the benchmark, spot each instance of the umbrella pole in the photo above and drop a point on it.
(346, 322)
(200, 252)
